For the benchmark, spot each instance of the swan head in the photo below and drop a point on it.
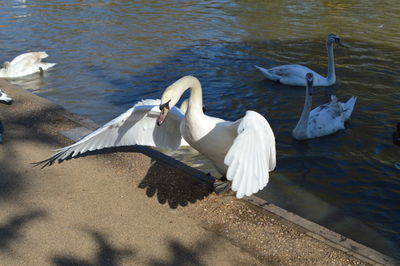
(164, 108)
(168, 100)
(332, 38)
(310, 81)
(4, 98)
(173, 93)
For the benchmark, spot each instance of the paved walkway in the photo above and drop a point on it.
(125, 208)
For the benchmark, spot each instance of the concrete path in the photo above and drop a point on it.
(126, 208)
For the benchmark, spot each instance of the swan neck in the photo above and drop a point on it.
(301, 126)
(196, 98)
(331, 63)
(173, 93)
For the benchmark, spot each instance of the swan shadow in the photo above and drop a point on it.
(173, 187)
(177, 185)
(182, 255)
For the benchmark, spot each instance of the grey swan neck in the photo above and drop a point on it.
(331, 64)
(300, 131)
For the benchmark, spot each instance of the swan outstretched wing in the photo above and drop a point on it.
(31, 58)
(137, 126)
(252, 155)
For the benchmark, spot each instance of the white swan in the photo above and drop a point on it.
(25, 64)
(294, 74)
(243, 151)
(323, 120)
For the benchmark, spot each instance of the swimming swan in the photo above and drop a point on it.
(323, 120)
(294, 74)
(25, 64)
(243, 151)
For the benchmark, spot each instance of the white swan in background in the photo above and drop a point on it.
(294, 74)
(323, 120)
(243, 150)
(25, 64)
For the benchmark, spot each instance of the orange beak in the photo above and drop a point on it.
(163, 115)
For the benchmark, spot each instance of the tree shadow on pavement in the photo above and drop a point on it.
(10, 230)
(172, 187)
(106, 254)
(181, 255)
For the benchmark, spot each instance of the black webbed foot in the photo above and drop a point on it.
(222, 185)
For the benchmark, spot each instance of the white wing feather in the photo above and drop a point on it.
(252, 155)
(32, 57)
(137, 126)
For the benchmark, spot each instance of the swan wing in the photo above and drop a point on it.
(29, 58)
(137, 126)
(28, 63)
(326, 119)
(252, 155)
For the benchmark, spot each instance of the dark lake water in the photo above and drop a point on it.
(111, 54)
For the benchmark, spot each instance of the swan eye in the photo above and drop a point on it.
(165, 105)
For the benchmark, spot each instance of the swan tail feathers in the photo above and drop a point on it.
(349, 106)
(46, 66)
(268, 74)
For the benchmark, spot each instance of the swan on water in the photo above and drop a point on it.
(294, 74)
(243, 151)
(4, 98)
(323, 120)
(25, 64)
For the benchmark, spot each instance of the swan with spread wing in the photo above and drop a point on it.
(25, 64)
(243, 151)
